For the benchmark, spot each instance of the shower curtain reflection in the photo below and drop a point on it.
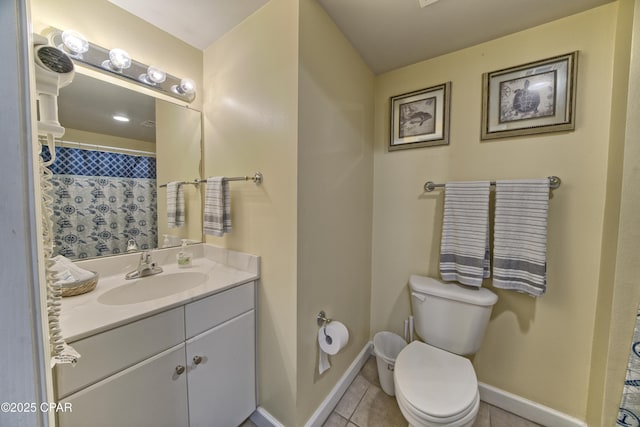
(629, 412)
(102, 199)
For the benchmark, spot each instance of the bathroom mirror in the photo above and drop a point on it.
(119, 148)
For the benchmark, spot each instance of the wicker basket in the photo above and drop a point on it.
(78, 288)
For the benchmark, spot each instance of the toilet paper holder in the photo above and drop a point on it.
(322, 319)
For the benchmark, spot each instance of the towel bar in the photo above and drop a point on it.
(554, 182)
(256, 178)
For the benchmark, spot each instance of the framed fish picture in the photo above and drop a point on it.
(533, 98)
(420, 118)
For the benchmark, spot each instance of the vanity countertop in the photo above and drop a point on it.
(87, 314)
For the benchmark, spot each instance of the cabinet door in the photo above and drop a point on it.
(151, 393)
(221, 378)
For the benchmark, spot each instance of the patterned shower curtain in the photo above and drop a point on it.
(101, 201)
(629, 413)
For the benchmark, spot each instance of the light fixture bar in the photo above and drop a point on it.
(116, 62)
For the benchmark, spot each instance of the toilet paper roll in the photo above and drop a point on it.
(323, 362)
(333, 337)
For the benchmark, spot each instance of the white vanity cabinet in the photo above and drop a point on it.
(221, 359)
(192, 365)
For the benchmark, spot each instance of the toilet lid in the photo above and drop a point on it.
(435, 382)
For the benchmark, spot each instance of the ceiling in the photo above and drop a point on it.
(388, 34)
(196, 22)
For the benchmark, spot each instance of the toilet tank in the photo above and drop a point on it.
(450, 316)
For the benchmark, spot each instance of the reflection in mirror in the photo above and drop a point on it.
(119, 146)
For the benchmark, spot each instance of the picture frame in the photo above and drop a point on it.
(420, 118)
(529, 99)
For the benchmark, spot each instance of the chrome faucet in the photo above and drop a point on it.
(146, 267)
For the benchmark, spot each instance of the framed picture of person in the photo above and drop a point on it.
(420, 118)
(533, 98)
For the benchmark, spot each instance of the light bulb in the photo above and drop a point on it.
(186, 87)
(153, 76)
(156, 75)
(118, 60)
(74, 42)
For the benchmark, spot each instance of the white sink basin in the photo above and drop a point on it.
(152, 287)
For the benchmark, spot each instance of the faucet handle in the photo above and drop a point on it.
(132, 246)
(145, 257)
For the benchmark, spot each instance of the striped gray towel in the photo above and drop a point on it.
(520, 236)
(217, 207)
(175, 204)
(464, 249)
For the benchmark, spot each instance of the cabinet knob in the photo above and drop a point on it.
(179, 369)
(197, 359)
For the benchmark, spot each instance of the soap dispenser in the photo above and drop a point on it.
(184, 256)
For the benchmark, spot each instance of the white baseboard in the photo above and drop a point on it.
(329, 403)
(262, 418)
(525, 408)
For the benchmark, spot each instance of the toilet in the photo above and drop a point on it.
(434, 384)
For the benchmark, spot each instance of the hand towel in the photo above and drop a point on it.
(217, 207)
(175, 204)
(464, 249)
(68, 272)
(520, 236)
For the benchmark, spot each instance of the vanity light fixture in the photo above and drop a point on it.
(119, 63)
(74, 43)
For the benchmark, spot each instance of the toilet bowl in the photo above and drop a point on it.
(434, 384)
(435, 387)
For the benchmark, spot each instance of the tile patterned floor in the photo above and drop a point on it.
(364, 404)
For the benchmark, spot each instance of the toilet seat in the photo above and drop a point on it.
(435, 387)
(420, 419)
(417, 418)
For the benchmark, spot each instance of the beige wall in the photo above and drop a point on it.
(536, 348)
(250, 124)
(305, 122)
(626, 292)
(335, 185)
(601, 410)
(107, 25)
(179, 157)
